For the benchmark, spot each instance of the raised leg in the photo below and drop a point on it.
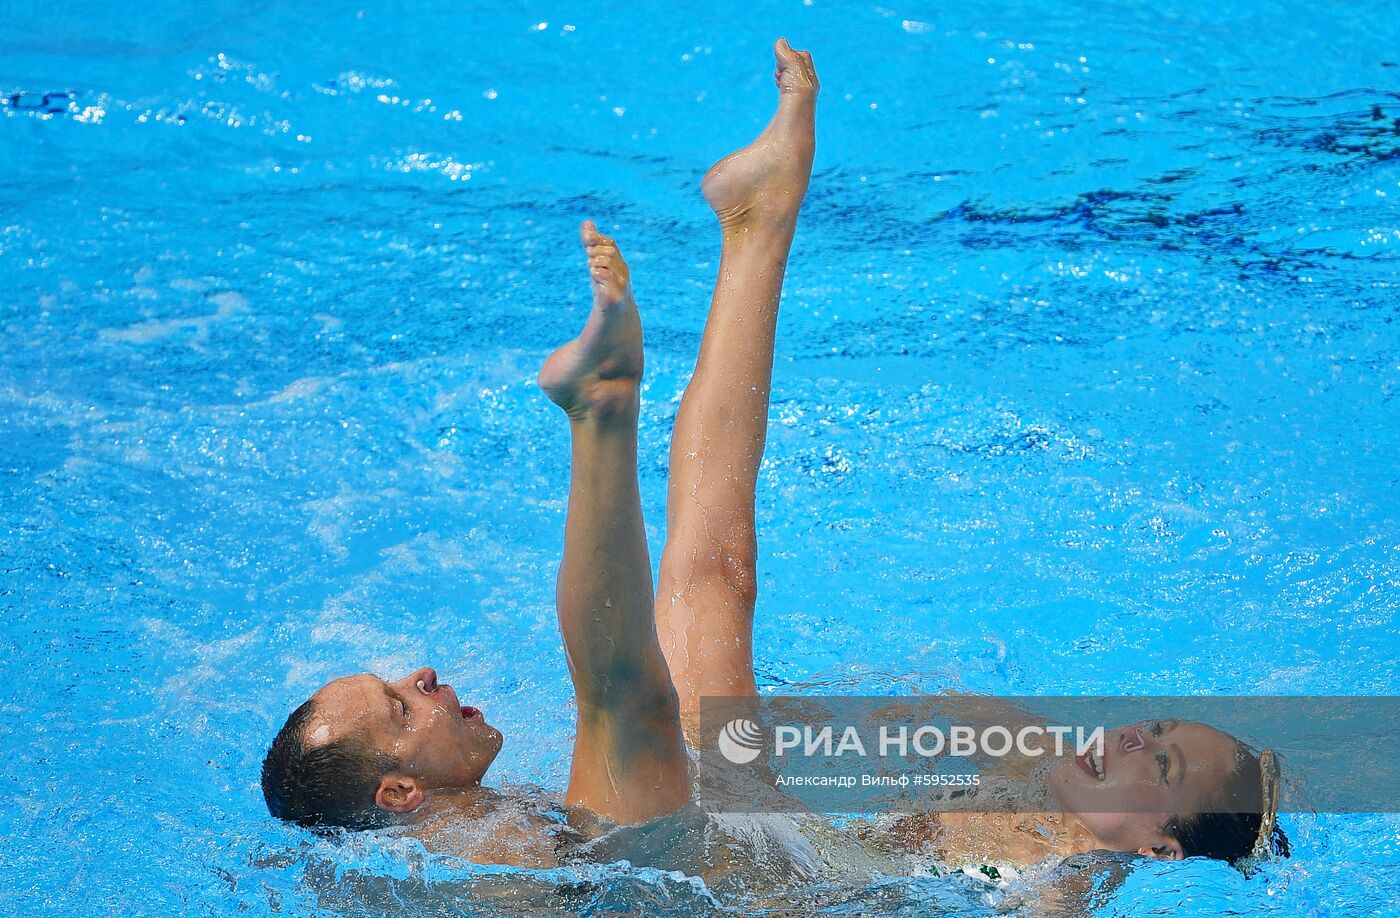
(705, 598)
(629, 761)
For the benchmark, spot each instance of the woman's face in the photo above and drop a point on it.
(1148, 773)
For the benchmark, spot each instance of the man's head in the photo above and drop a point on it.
(1169, 789)
(362, 751)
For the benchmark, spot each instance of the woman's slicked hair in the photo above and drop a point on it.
(1227, 827)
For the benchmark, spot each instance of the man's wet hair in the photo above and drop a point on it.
(1227, 828)
(325, 786)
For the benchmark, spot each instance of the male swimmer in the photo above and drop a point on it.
(363, 752)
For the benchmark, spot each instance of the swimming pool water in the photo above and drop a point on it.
(1087, 382)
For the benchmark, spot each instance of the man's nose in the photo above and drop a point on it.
(424, 680)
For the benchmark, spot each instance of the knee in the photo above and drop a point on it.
(729, 562)
(739, 566)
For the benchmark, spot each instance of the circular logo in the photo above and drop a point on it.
(741, 741)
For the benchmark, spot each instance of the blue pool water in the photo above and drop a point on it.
(1088, 382)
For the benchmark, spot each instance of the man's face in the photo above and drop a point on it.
(438, 742)
(1149, 772)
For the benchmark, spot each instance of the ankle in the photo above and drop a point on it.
(758, 227)
(605, 404)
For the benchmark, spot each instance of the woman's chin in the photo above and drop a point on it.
(1061, 778)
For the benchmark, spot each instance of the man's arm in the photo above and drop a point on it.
(629, 762)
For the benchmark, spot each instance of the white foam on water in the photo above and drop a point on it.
(229, 304)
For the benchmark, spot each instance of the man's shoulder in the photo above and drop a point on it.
(512, 830)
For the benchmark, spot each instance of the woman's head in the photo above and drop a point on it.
(1224, 832)
(361, 751)
(1170, 789)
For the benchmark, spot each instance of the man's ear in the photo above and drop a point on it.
(399, 793)
(1169, 849)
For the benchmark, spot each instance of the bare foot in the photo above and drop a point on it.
(768, 178)
(598, 374)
